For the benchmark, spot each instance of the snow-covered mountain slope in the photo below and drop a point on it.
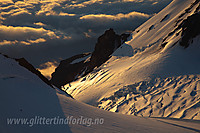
(24, 96)
(120, 123)
(152, 74)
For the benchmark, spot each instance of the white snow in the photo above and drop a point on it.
(23, 95)
(143, 59)
(114, 122)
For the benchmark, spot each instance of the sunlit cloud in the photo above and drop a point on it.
(25, 43)
(21, 12)
(28, 34)
(15, 12)
(132, 0)
(23, 4)
(67, 37)
(155, 3)
(115, 17)
(8, 7)
(39, 40)
(84, 4)
(47, 9)
(32, 1)
(48, 68)
(6, 42)
(66, 14)
(12, 11)
(39, 24)
(75, 4)
(62, 28)
(6, 1)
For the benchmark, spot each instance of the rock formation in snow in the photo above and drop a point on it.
(80, 65)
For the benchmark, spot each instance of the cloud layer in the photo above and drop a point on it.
(45, 31)
(117, 17)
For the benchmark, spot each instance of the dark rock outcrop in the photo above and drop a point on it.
(67, 72)
(151, 28)
(191, 28)
(105, 46)
(165, 18)
(24, 63)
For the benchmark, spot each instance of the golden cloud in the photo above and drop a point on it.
(24, 35)
(66, 14)
(6, 1)
(6, 42)
(27, 42)
(67, 37)
(133, 1)
(39, 40)
(15, 12)
(21, 12)
(7, 7)
(39, 24)
(23, 4)
(115, 17)
(47, 9)
(155, 3)
(25, 31)
(84, 4)
(90, 2)
(48, 69)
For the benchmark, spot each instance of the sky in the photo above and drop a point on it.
(47, 31)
